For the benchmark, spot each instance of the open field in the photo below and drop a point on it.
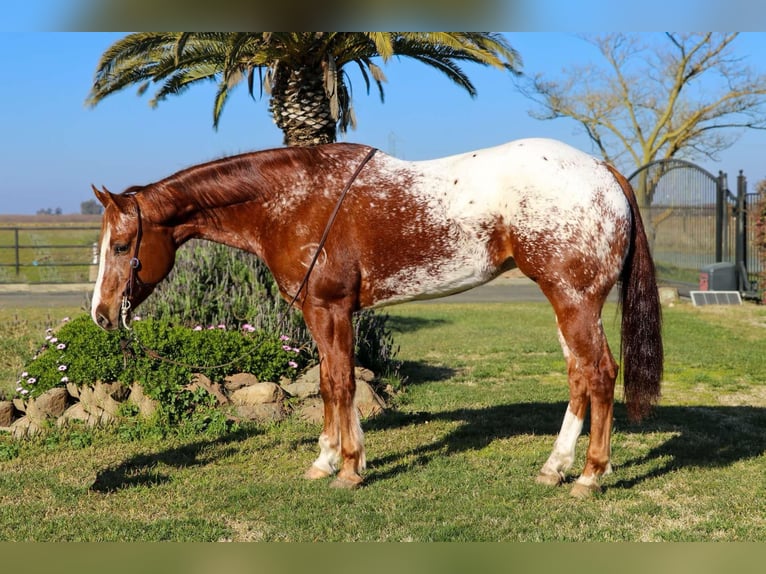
(47, 248)
(455, 459)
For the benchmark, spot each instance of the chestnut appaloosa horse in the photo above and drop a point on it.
(375, 230)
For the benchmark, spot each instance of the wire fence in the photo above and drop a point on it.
(48, 254)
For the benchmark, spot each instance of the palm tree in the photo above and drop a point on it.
(304, 72)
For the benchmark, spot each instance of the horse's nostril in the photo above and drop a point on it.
(103, 322)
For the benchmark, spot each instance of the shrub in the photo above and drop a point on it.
(81, 353)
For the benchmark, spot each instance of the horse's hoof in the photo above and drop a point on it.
(583, 491)
(315, 473)
(347, 482)
(549, 479)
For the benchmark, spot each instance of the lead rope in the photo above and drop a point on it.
(135, 264)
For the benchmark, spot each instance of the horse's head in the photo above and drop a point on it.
(135, 255)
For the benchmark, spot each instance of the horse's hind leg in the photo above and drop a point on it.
(592, 372)
(341, 443)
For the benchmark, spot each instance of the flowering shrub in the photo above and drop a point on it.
(81, 353)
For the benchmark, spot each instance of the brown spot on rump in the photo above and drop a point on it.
(500, 245)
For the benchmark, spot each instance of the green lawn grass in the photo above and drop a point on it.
(455, 458)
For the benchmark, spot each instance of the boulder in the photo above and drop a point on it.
(262, 413)
(311, 410)
(302, 390)
(239, 380)
(76, 413)
(311, 376)
(6, 413)
(366, 400)
(146, 405)
(259, 394)
(24, 427)
(52, 403)
(202, 381)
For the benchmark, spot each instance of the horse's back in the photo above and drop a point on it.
(564, 209)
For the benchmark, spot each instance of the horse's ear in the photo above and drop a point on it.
(103, 195)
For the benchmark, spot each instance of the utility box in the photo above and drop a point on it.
(718, 277)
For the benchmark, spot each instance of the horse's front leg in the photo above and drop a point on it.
(341, 443)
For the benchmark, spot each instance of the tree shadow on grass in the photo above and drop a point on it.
(702, 436)
(145, 469)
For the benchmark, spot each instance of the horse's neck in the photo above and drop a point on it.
(191, 215)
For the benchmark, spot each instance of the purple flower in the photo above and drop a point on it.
(54, 340)
(284, 338)
(197, 328)
(62, 368)
(61, 346)
(31, 380)
(293, 364)
(248, 327)
(24, 391)
(221, 326)
(287, 348)
(24, 375)
(64, 379)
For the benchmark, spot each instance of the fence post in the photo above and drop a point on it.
(740, 248)
(16, 249)
(720, 216)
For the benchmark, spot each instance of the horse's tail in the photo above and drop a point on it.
(641, 348)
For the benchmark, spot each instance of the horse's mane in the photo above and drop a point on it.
(241, 178)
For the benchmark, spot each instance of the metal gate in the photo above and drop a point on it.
(693, 220)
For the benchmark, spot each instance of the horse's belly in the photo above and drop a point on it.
(433, 280)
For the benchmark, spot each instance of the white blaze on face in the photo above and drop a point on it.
(100, 278)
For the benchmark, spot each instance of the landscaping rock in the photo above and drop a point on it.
(201, 381)
(6, 413)
(24, 427)
(366, 400)
(311, 410)
(302, 390)
(239, 380)
(76, 413)
(262, 413)
(311, 376)
(258, 394)
(52, 403)
(362, 374)
(146, 406)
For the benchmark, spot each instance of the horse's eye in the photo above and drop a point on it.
(121, 248)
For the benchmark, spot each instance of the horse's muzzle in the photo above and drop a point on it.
(104, 322)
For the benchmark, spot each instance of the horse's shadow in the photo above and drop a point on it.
(701, 436)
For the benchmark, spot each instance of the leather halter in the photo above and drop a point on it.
(135, 265)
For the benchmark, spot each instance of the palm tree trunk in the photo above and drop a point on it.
(300, 106)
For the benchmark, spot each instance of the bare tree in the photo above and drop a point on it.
(680, 95)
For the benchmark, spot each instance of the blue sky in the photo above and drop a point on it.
(52, 147)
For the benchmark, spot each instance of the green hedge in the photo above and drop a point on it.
(80, 352)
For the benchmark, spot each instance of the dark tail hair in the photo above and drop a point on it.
(641, 349)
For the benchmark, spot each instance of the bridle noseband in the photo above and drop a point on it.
(135, 265)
